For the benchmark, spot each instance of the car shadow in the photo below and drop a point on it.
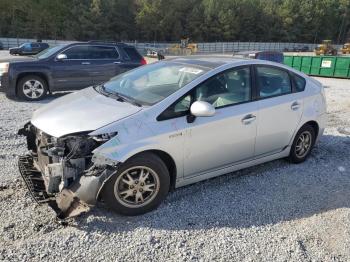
(270, 193)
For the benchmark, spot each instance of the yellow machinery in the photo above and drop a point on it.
(346, 48)
(184, 48)
(325, 48)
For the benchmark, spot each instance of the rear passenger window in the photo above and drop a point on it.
(132, 53)
(103, 52)
(299, 83)
(272, 81)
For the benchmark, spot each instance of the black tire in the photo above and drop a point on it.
(22, 86)
(148, 160)
(295, 156)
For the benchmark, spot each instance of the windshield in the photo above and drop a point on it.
(24, 45)
(152, 83)
(49, 51)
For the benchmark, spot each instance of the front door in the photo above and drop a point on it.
(227, 137)
(73, 72)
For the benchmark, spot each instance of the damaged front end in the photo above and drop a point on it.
(60, 171)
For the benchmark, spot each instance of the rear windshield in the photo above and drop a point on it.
(270, 56)
(132, 53)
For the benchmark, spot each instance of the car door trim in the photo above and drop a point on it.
(255, 160)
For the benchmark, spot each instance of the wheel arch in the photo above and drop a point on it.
(168, 161)
(314, 125)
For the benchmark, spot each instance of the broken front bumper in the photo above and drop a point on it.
(71, 201)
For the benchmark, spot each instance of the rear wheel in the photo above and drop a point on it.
(139, 186)
(302, 144)
(32, 88)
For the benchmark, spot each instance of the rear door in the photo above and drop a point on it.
(73, 72)
(36, 48)
(280, 109)
(105, 62)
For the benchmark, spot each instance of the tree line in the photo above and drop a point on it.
(170, 20)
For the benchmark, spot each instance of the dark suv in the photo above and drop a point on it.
(67, 67)
(29, 48)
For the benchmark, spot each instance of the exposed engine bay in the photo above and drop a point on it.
(60, 171)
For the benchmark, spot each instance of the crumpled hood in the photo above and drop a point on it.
(81, 111)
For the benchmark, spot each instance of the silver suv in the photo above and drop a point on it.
(166, 125)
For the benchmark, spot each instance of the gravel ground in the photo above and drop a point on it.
(273, 212)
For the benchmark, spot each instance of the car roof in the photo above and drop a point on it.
(100, 43)
(207, 61)
(213, 62)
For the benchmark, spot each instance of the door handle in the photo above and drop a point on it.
(295, 106)
(117, 62)
(85, 63)
(248, 119)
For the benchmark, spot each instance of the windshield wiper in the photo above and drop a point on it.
(128, 99)
(121, 98)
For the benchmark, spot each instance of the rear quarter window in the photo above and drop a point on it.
(132, 53)
(300, 83)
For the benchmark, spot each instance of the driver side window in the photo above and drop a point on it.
(228, 88)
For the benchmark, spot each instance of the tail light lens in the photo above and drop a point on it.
(143, 61)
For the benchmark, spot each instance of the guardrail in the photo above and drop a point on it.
(215, 47)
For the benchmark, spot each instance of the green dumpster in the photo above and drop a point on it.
(342, 67)
(306, 65)
(329, 66)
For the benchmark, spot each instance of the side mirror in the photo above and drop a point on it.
(61, 57)
(202, 108)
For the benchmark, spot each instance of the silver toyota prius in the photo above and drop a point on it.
(161, 126)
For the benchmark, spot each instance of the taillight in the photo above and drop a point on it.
(143, 61)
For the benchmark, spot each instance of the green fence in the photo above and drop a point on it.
(329, 66)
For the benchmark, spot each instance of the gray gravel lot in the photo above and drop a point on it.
(273, 212)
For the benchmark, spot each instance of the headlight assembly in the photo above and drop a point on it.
(105, 137)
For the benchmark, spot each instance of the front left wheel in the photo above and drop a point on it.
(32, 88)
(139, 186)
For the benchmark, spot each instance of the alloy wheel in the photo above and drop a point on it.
(303, 144)
(33, 89)
(137, 186)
